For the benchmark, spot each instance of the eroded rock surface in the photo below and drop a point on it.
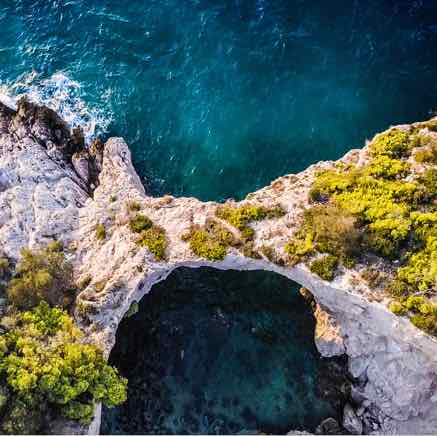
(47, 182)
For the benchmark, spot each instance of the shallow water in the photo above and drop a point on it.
(222, 352)
(217, 98)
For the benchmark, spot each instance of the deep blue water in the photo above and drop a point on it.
(222, 352)
(218, 97)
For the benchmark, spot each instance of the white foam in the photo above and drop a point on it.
(61, 94)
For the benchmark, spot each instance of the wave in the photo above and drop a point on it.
(61, 94)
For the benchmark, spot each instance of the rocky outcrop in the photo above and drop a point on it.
(47, 192)
(328, 338)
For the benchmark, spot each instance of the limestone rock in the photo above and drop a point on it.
(328, 426)
(328, 338)
(351, 422)
(46, 193)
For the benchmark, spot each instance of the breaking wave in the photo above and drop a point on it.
(62, 94)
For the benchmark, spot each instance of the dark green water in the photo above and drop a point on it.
(217, 352)
(219, 97)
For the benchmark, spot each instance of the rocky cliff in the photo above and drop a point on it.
(52, 187)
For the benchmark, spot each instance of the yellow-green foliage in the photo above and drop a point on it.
(397, 308)
(429, 181)
(241, 216)
(155, 240)
(326, 228)
(393, 143)
(325, 267)
(140, 223)
(100, 232)
(43, 357)
(134, 206)
(42, 275)
(4, 267)
(428, 152)
(396, 216)
(386, 167)
(210, 241)
(423, 314)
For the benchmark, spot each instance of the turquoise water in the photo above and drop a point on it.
(222, 352)
(217, 98)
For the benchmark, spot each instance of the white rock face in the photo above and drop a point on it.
(42, 198)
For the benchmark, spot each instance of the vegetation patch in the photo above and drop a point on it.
(47, 368)
(326, 228)
(100, 232)
(382, 207)
(139, 223)
(42, 275)
(155, 240)
(325, 267)
(428, 152)
(241, 216)
(210, 241)
(134, 206)
(4, 267)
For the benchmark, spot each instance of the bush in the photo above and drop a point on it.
(299, 248)
(387, 168)
(134, 206)
(393, 143)
(42, 275)
(211, 241)
(335, 230)
(43, 357)
(429, 181)
(100, 232)
(139, 223)
(155, 240)
(325, 267)
(241, 216)
(397, 308)
(427, 154)
(4, 267)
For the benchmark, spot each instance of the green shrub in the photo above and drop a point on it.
(330, 182)
(429, 181)
(43, 357)
(211, 241)
(272, 255)
(299, 248)
(113, 198)
(397, 308)
(334, 230)
(241, 216)
(325, 267)
(4, 267)
(139, 223)
(155, 240)
(393, 143)
(249, 250)
(42, 275)
(426, 323)
(134, 206)
(100, 232)
(427, 155)
(24, 416)
(387, 168)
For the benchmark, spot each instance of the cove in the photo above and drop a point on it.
(223, 352)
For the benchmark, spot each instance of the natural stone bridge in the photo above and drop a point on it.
(47, 192)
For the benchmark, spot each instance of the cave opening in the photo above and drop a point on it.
(223, 352)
